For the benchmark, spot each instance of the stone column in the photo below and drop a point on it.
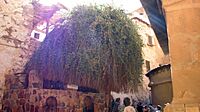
(183, 25)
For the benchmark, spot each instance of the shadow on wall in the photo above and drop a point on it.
(32, 80)
(156, 15)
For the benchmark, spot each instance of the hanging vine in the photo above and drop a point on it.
(97, 46)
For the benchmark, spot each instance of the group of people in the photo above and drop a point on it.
(127, 107)
(115, 106)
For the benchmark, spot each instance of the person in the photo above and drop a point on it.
(116, 105)
(128, 107)
(152, 108)
(134, 103)
(139, 107)
(88, 104)
(111, 103)
(159, 108)
(146, 109)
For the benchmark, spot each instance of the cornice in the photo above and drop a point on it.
(175, 5)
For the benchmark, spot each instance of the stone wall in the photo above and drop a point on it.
(15, 25)
(16, 47)
(33, 100)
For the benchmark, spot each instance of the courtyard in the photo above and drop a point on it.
(99, 56)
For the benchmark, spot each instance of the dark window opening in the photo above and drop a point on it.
(150, 40)
(141, 13)
(148, 67)
(36, 35)
(49, 84)
(87, 89)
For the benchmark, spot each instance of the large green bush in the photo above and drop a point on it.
(97, 46)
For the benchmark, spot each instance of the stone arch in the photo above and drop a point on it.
(50, 104)
(88, 104)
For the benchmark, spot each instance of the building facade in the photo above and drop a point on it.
(152, 52)
(182, 21)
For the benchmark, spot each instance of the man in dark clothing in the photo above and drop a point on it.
(116, 105)
(139, 107)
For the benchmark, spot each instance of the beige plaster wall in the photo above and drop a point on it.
(153, 53)
(183, 23)
(183, 26)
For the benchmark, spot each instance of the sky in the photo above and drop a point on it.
(127, 5)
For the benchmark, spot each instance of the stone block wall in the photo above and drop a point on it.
(33, 100)
(16, 24)
(16, 18)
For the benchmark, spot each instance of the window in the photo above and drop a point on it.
(141, 13)
(150, 40)
(36, 35)
(148, 67)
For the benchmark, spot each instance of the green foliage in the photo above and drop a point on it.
(98, 46)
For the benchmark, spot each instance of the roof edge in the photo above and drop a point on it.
(153, 71)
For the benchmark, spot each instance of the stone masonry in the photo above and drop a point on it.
(34, 100)
(16, 47)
